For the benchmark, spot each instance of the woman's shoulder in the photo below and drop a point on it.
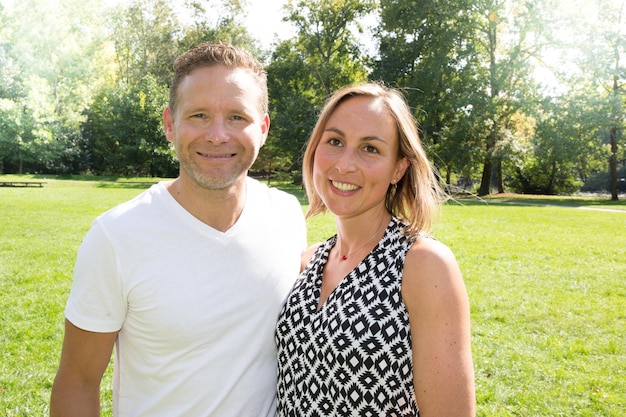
(308, 254)
(431, 268)
(427, 248)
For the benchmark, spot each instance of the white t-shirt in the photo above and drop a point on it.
(196, 308)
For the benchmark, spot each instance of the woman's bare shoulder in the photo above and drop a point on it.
(431, 268)
(307, 254)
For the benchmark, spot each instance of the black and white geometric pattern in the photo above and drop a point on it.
(353, 356)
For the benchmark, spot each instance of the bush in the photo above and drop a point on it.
(601, 181)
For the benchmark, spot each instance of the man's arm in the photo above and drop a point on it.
(84, 359)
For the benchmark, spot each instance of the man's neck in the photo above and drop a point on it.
(219, 208)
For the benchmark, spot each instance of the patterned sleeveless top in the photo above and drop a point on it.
(352, 357)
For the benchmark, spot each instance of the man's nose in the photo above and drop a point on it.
(217, 132)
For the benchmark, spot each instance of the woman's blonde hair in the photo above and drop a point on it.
(417, 197)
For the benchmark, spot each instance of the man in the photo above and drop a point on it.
(187, 279)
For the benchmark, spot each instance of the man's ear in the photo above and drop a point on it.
(168, 124)
(265, 127)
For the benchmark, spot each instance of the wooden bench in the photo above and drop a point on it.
(38, 184)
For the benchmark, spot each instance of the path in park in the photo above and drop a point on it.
(514, 203)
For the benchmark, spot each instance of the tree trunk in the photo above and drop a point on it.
(553, 172)
(485, 182)
(500, 177)
(613, 156)
(613, 164)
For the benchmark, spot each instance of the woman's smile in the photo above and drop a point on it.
(344, 186)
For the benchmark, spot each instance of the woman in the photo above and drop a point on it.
(378, 322)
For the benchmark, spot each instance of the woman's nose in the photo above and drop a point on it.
(346, 161)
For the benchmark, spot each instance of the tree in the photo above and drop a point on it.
(427, 52)
(123, 131)
(50, 57)
(293, 104)
(608, 61)
(550, 163)
(324, 35)
(324, 56)
(595, 78)
(11, 132)
(465, 68)
(218, 22)
(509, 35)
(144, 34)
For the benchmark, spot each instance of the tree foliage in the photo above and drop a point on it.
(123, 131)
(428, 52)
(49, 70)
(143, 34)
(84, 86)
(324, 56)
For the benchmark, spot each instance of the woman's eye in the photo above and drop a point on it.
(334, 142)
(370, 149)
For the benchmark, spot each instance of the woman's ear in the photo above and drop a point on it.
(401, 166)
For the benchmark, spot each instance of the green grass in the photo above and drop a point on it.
(548, 300)
(546, 286)
(41, 230)
(558, 201)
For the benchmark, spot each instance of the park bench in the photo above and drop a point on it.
(22, 183)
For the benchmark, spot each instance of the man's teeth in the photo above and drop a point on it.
(344, 187)
(206, 155)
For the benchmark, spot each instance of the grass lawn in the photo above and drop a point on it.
(546, 285)
(548, 299)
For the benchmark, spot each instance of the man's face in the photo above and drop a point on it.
(217, 127)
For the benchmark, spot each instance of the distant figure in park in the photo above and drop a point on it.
(187, 279)
(378, 322)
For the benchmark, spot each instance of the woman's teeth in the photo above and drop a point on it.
(342, 186)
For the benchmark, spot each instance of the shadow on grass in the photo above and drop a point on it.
(125, 184)
(542, 200)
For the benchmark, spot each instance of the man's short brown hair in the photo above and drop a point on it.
(209, 54)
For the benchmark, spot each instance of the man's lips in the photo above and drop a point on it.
(221, 155)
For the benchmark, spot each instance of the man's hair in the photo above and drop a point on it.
(209, 54)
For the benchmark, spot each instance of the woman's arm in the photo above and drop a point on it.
(436, 299)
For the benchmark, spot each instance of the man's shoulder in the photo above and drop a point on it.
(138, 206)
(275, 194)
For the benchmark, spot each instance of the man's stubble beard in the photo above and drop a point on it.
(218, 179)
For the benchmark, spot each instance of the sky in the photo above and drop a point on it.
(264, 19)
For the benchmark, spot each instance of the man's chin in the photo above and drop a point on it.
(218, 181)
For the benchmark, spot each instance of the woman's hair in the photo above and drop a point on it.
(417, 197)
(209, 54)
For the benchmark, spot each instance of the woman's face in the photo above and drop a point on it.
(356, 158)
